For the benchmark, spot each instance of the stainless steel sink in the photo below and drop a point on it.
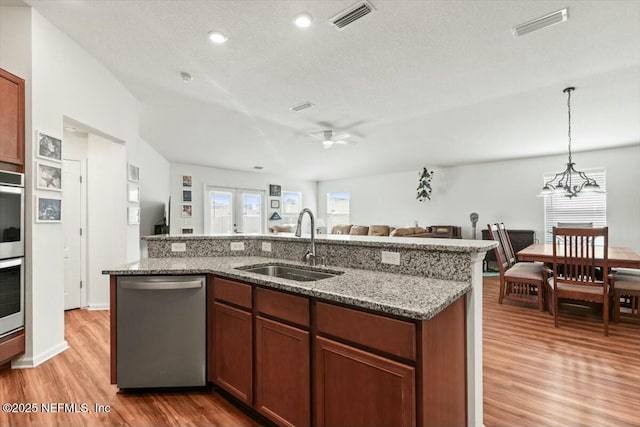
(290, 272)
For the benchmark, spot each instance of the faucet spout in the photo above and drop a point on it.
(310, 256)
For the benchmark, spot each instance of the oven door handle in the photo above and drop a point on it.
(11, 262)
(13, 190)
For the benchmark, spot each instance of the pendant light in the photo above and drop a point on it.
(569, 182)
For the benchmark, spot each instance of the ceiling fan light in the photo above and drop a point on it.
(327, 143)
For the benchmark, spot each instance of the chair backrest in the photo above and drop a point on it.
(577, 257)
(575, 225)
(506, 243)
(501, 258)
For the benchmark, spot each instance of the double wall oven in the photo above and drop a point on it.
(11, 252)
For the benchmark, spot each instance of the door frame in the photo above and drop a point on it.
(237, 205)
(84, 295)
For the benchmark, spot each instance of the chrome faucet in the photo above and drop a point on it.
(309, 256)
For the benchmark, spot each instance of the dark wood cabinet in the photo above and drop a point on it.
(232, 351)
(357, 388)
(282, 373)
(520, 239)
(11, 122)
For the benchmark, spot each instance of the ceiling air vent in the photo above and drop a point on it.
(539, 23)
(301, 107)
(351, 14)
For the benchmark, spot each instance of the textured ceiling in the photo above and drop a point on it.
(432, 83)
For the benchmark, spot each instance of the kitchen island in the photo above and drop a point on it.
(400, 336)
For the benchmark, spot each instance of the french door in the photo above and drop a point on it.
(234, 210)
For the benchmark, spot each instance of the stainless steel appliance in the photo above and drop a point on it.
(11, 295)
(161, 331)
(11, 215)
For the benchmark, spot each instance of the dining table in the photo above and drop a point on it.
(618, 257)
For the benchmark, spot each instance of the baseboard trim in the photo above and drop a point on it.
(98, 307)
(32, 362)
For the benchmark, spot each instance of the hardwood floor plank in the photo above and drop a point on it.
(537, 375)
(534, 375)
(81, 375)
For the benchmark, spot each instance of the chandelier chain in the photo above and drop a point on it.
(569, 117)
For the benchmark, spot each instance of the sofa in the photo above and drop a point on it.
(434, 231)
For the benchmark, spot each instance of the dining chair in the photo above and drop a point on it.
(522, 281)
(506, 243)
(576, 259)
(626, 284)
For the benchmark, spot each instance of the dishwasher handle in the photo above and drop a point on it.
(160, 285)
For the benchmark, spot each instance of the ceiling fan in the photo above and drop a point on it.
(329, 138)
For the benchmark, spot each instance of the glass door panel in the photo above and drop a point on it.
(221, 208)
(251, 212)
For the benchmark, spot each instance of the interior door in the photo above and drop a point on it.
(71, 220)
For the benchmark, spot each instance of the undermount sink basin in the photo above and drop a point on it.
(289, 272)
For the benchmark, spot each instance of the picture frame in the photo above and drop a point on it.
(187, 231)
(186, 181)
(186, 195)
(48, 177)
(133, 215)
(187, 210)
(275, 204)
(133, 172)
(48, 209)
(48, 147)
(275, 190)
(133, 193)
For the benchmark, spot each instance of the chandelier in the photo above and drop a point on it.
(569, 182)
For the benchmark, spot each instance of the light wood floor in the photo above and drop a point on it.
(534, 375)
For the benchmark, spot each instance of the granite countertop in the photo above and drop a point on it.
(422, 243)
(402, 295)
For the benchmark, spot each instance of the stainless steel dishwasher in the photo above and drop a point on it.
(161, 331)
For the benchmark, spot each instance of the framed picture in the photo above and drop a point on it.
(48, 209)
(133, 173)
(186, 195)
(275, 204)
(274, 190)
(187, 231)
(49, 147)
(133, 216)
(48, 177)
(134, 193)
(186, 180)
(187, 211)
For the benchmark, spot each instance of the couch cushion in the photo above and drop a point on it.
(282, 228)
(408, 231)
(379, 230)
(359, 230)
(341, 229)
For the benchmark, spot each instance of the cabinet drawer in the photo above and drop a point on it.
(378, 332)
(11, 346)
(283, 306)
(232, 292)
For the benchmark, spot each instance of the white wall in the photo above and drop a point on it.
(154, 187)
(202, 176)
(498, 191)
(15, 57)
(67, 83)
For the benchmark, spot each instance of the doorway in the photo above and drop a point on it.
(234, 210)
(74, 220)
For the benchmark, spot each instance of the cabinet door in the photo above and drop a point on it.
(282, 373)
(357, 388)
(232, 351)
(11, 119)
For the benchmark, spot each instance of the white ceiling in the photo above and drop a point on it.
(423, 83)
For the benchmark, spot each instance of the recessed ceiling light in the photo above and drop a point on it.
(217, 37)
(186, 77)
(303, 20)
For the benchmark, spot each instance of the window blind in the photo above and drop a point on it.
(586, 207)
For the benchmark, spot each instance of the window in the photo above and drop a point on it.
(337, 209)
(291, 206)
(233, 210)
(586, 207)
